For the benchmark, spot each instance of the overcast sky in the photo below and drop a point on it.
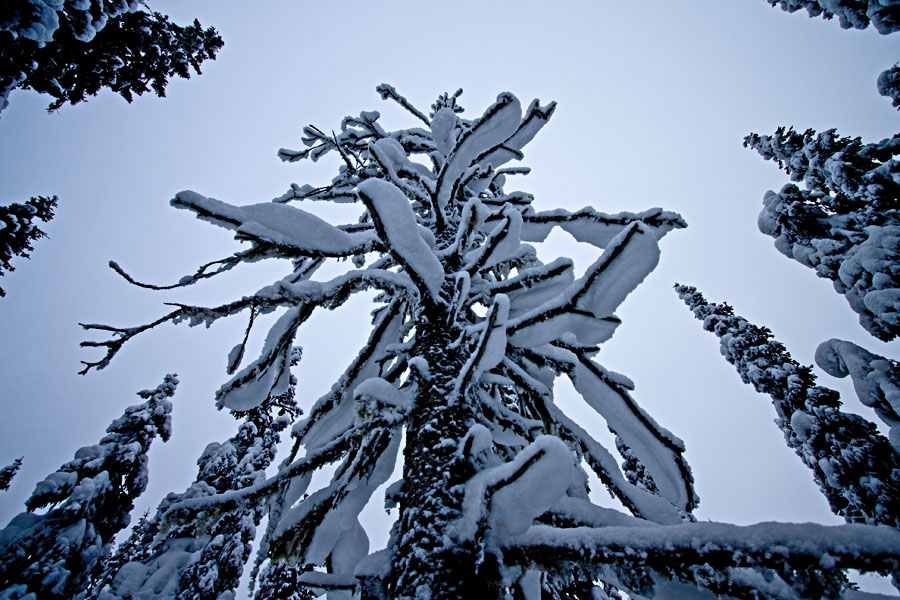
(654, 98)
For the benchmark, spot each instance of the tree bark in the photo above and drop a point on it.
(427, 563)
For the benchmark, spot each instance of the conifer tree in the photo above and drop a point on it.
(55, 555)
(8, 472)
(884, 15)
(71, 50)
(846, 223)
(469, 331)
(856, 468)
(18, 231)
(200, 559)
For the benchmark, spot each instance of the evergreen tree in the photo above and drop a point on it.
(469, 331)
(884, 15)
(8, 472)
(75, 50)
(280, 581)
(17, 230)
(856, 468)
(846, 223)
(54, 555)
(203, 558)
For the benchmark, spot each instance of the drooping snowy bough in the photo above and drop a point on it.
(469, 331)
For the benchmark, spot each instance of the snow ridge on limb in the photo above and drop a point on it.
(499, 122)
(397, 227)
(714, 556)
(876, 379)
(660, 452)
(56, 554)
(596, 228)
(297, 231)
(585, 309)
(855, 467)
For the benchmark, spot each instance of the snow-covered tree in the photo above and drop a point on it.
(18, 231)
(470, 329)
(856, 468)
(72, 49)
(203, 558)
(8, 472)
(884, 15)
(846, 223)
(55, 554)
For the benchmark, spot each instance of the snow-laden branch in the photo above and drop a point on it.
(596, 228)
(491, 347)
(496, 125)
(586, 308)
(876, 379)
(706, 553)
(536, 116)
(335, 412)
(661, 453)
(398, 229)
(281, 225)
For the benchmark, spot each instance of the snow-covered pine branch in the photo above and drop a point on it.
(846, 223)
(55, 555)
(856, 468)
(882, 14)
(876, 379)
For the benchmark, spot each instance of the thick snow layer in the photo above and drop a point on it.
(276, 223)
(843, 543)
(510, 496)
(628, 259)
(657, 449)
(596, 228)
(876, 379)
(498, 123)
(270, 373)
(396, 224)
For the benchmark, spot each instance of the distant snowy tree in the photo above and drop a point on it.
(884, 15)
(18, 231)
(201, 559)
(846, 223)
(8, 472)
(71, 50)
(856, 468)
(54, 555)
(470, 329)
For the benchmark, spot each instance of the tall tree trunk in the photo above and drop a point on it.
(434, 477)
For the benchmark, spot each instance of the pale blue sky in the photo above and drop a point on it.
(654, 100)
